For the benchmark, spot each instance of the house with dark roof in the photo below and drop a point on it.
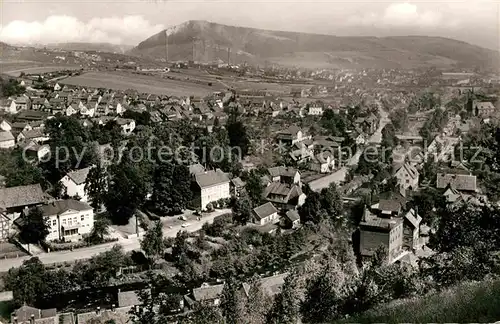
(291, 135)
(7, 140)
(265, 214)
(464, 183)
(284, 196)
(31, 315)
(114, 315)
(284, 174)
(291, 219)
(237, 186)
(209, 295)
(74, 183)
(36, 135)
(483, 108)
(14, 199)
(68, 220)
(270, 286)
(211, 186)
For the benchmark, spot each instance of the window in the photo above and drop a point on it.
(54, 222)
(64, 221)
(83, 217)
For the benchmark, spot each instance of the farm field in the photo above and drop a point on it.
(15, 68)
(142, 83)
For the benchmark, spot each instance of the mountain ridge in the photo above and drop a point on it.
(213, 41)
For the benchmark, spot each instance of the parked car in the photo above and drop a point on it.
(185, 225)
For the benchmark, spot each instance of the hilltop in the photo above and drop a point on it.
(258, 46)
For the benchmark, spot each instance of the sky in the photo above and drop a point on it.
(128, 22)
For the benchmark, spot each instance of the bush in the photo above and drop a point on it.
(210, 207)
(65, 246)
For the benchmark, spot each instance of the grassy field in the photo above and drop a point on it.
(15, 68)
(465, 303)
(142, 83)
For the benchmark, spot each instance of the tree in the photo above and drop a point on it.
(35, 227)
(311, 210)
(285, 309)
(99, 230)
(331, 203)
(27, 282)
(229, 302)
(238, 136)
(95, 186)
(257, 304)
(242, 209)
(171, 188)
(254, 187)
(153, 243)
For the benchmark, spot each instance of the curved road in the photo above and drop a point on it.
(128, 244)
(340, 175)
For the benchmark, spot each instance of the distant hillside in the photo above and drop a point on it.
(212, 41)
(97, 47)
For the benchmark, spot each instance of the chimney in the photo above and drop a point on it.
(98, 310)
(32, 319)
(113, 307)
(14, 320)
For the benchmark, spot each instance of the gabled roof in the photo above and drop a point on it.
(389, 205)
(6, 136)
(410, 170)
(61, 206)
(196, 168)
(413, 218)
(211, 178)
(33, 133)
(264, 210)
(21, 196)
(207, 292)
(237, 182)
(79, 176)
(281, 171)
(461, 182)
(292, 215)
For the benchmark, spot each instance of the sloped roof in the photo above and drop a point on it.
(6, 136)
(21, 196)
(128, 298)
(462, 182)
(196, 168)
(389, 205)
(237, 182)
(61, 206)
(264, 210)
(292, 215)
(79, 176)
(33, 133)
(281, 171)
(207, 292)
(413, 218)
(211, 178)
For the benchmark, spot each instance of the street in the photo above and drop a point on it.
(128, 244)
(340, 175)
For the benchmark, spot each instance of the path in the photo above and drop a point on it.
(340, 175)
(128, 244)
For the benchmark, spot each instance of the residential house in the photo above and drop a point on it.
(406, 175)
(72, 109)
(57, 87)
(127, 125)
(291, 219)
(284, 174)
(35, 135)
(411, 230)
(265, 214)
(284, 196)
(8, 105)
(5, 223)
(209, 295)
(483, 108)
(67, 220)
(464, 183)
(291, 136)
(35, 151)
(22, 103)
(381, 230)
(323, 162)
(113, 315)
(39, 103)
(7, 140)
(270, 286)
(315, 109)
(237, 186)
(14, 199)
(6, 126)
(27, 314)
(213, 185)
(74, 183)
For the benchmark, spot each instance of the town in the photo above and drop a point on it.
(267, 195)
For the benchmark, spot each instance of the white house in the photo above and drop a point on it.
(68, 220)
(57, 87)
(315, 110)
(7, 140)
(360, 139)
(74, 182)
(323, 162)
(5, 126)
(35, 135)
(407, 176)
(214, 185)
(265, 214)
(8, 105)
(127, 125)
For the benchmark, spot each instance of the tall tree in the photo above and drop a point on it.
(27, 282)
(35, 227)
(286, 306)
(254, 187)
(242, 209)
(171, 188)
(95, 186)
(153, 243)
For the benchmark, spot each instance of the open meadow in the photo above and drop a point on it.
(14, 69)
(142, 83)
